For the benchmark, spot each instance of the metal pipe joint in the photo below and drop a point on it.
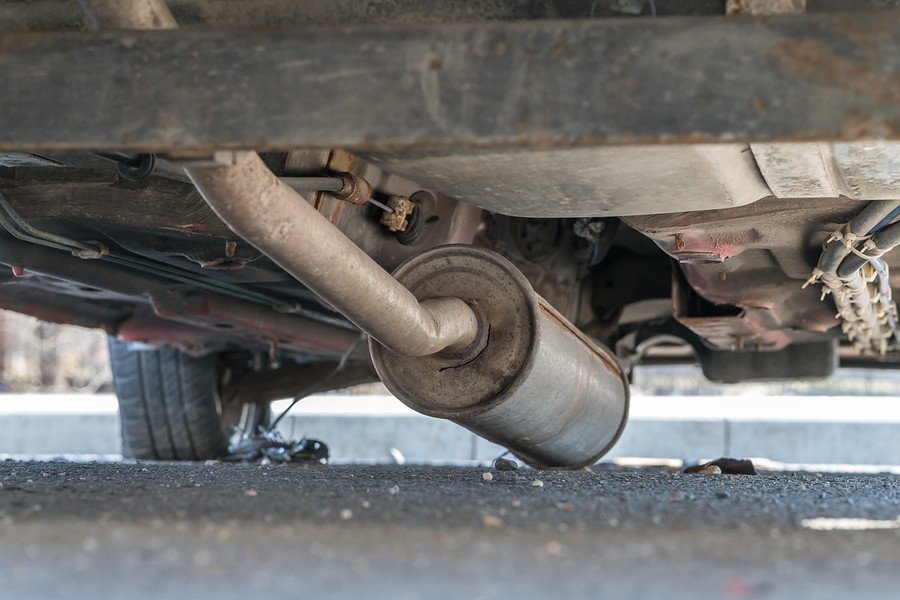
(271, 216)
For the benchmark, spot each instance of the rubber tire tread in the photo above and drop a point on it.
(167, 404)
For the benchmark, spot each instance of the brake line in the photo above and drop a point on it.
(19, 228)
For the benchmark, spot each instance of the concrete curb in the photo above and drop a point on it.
(368, 429)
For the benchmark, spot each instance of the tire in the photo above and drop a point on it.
(168, 404)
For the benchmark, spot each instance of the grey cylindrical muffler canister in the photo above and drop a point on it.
(531, 382)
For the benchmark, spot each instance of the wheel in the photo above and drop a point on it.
(168, 404)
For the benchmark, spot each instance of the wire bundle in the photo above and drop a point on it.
(851, 270)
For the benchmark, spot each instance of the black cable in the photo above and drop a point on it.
(16, 226)
(342, 363)
(868, 219)
(884, 240)
(886, 221)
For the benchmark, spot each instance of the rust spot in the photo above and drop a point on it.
(679, 242)
(191, 228)
(435, 64)
(811, 60)
(869, 127)
(764, 8)
(559, 48)
(758, 104)
(224, 264)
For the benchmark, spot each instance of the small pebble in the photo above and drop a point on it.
(553, 548)
(502, 464)
(516, 503)
(346, 514)
(251, 493)
(721, 495)
(397, 456)
(491, 521)
(677, 496)
(564, 506)
(537, 483)
(394, 490)
(366, 504)
(487, 477)
(712, 470)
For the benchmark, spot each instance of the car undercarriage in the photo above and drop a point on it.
(562, 190)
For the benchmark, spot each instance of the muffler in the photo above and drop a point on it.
(530, 381)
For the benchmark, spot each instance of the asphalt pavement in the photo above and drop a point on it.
(154, 531)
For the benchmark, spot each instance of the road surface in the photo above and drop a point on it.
(153, 531)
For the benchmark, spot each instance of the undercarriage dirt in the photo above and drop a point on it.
(243, 531)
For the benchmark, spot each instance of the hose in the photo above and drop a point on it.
(851, 271)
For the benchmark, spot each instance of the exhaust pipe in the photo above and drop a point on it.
(276, 220)
(457, 333)
(535, 384)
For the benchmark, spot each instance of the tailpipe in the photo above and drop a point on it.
(531, 382)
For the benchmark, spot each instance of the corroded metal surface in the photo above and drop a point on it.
(249, 321)
(451, 88)
(756, 258)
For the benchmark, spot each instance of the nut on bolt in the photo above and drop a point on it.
(354, 190)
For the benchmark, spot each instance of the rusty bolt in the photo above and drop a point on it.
(354, 190)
